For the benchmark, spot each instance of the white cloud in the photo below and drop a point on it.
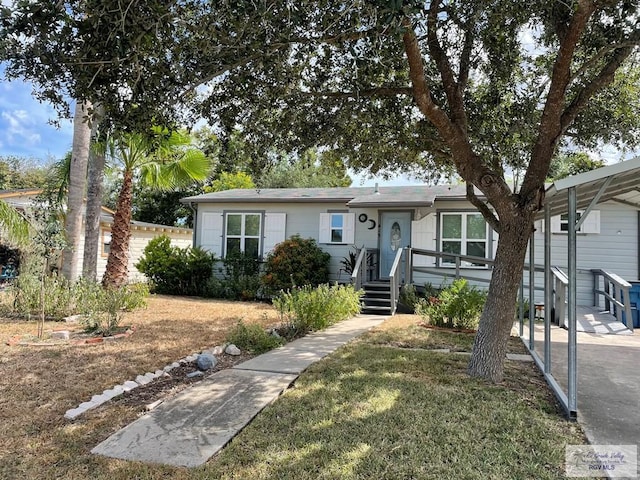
(25, 128)
(19, 128)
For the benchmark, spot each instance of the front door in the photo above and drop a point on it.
(395, 233)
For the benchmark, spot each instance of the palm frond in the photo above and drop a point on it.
(13, 225)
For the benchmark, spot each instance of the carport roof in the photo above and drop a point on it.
(621, 181)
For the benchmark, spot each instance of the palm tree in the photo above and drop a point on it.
(165, 161)
(76, 190)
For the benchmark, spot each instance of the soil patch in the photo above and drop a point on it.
(173, 382)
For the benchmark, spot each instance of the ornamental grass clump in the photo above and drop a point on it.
(315, 308)
(253, 338)
(457, 306)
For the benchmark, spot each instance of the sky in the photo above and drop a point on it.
(24, 124)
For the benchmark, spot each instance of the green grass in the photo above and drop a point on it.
(416, 336)
(370, 412)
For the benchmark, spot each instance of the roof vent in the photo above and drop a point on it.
(376, 189)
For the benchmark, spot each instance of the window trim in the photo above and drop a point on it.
(242, 236)
(488, 239)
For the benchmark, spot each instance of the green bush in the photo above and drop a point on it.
(308, 308)
(253, 337)
(410, 297)
(457, 306)
(101, 309)
(295, 262)
(59, 300)
(241, 277)
(174, 270)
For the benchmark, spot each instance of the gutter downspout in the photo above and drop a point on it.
(194, 207)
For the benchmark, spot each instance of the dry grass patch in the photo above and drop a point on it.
(408, 331)
(38, 384)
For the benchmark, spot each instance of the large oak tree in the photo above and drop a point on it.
(478, 86)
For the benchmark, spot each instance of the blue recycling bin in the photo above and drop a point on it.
(634, 298)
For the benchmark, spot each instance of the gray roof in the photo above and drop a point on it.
(108, 218)
(408, 195)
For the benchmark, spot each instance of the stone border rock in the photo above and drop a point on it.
(144, 379)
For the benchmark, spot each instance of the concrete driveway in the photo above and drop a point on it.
(608, 383)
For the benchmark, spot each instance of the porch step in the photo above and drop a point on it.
(377, 298)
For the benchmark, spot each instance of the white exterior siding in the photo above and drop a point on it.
(614, 249)
(140, 237)
(299, 219)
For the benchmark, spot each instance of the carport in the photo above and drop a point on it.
(620, 183)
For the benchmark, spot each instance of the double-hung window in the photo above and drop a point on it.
(242, 233)
(337, 227)
(463, 234)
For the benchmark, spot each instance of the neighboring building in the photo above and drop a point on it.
(141, 233)
(434, 218)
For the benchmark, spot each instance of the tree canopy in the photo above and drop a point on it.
(21, 172)
(125, 57)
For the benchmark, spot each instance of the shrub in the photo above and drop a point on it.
(457, 306)
(295, 262)
(174, 270)
(411, 296)
(101, 308)
(241, 277)
(58, 298)
(253, 337)
(104, 307)
(308, 308)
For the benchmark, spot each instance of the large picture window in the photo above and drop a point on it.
(463, 234)
(243, 233)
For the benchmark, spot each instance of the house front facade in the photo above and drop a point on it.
(437, 219)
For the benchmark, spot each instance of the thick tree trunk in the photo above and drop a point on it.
(118, 261)
(92, 242)
(77, 185)
(490, 346)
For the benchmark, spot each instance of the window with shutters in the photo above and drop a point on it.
(337, 227)
(242, 233)
(591, 224)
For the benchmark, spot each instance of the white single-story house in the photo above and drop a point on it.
(382, 219)
(141, 233)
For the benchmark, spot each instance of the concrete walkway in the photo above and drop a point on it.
(189, 428)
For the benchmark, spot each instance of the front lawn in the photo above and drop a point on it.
(382, 407)
(391, 413)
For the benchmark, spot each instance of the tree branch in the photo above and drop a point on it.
(465, 60)
(420, 88)
(482, 207)
(451, 87)
(604, 78)
(550, 130)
